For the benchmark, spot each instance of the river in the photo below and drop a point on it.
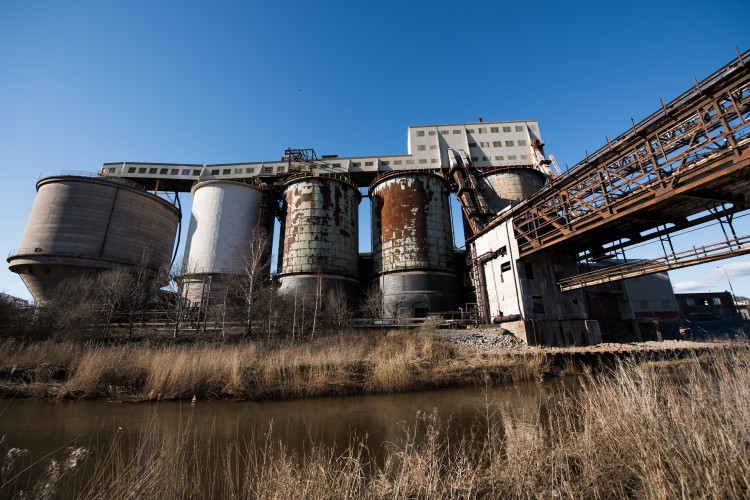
(46, 427)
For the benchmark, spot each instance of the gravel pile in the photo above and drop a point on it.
(484, 340)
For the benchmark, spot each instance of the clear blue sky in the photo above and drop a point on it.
(83, 83)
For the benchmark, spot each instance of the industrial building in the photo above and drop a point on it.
(82, 225)
(707, 306)
(527, 227)
(641, 308)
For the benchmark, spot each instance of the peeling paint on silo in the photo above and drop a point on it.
(320, 234)
(413, 242)
(411, 223)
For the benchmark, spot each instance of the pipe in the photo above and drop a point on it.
(504, 319)
(479, 264)
(513, 268)
(483, 291)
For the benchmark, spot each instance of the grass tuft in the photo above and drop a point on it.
(644, 431)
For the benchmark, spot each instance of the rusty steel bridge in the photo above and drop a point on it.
(685, 165)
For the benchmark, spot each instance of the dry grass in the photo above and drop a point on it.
(641, 431)
(31, 355)
(334, 365)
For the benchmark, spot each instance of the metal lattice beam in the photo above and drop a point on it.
(692, 151)
(693, 256)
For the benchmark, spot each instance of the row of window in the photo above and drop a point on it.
(495, 144)
(282, 168)
(501, 158)
(423, 161)
(498, 144)
(383, 162)
(716, 301)
(197, 172)
(480, 130)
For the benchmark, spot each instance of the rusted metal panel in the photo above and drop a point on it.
(411, 223)
(413, 243)
(321, 227)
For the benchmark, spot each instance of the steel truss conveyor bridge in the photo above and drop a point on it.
(685, 165)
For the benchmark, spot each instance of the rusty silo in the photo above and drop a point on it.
(320, 235)
(413, 243)
(507, 186)
(82, 225)
(222, 236)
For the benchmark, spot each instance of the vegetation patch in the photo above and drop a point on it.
(261, 369)
(630, 430)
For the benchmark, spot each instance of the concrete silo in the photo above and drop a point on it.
(82, 225)
(222, 237)
(320, 247)
(507, 186)
(413, 243)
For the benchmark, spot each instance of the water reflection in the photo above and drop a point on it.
(43, 427)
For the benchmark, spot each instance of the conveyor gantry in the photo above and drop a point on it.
(683, 165)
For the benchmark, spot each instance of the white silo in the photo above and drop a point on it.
(224, 218)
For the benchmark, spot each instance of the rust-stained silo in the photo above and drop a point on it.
(320, 235)
(82, 225)
(413, 243)
(507, 186)
(229, 222)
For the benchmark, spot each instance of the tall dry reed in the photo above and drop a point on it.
(333, 365)
(674, 431)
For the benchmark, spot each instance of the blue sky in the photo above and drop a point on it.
(83, 83)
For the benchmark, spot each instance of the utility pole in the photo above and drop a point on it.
(734, 297)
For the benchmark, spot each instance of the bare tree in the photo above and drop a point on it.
(114, 288)
(276, 311)
(318, 300)
(396, 307)
(371, 305)
(255, 264)
(175, 304)
(17, 318)
(223, 309)
(337, 306)
(71, 308)
(142, 279)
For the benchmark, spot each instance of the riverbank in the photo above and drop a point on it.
(651, 430)
(344, 364)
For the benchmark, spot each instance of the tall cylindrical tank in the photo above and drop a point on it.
(82, 225)
(320, 235)
(223, 235)
(503, 187)
(413, 243)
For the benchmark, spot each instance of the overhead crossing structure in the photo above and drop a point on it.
(685, 165)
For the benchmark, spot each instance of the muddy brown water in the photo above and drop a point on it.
(46, 427)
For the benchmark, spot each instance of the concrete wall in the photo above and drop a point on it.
(80, 226)
(650, 296)
(578, 332)
(528, 288)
